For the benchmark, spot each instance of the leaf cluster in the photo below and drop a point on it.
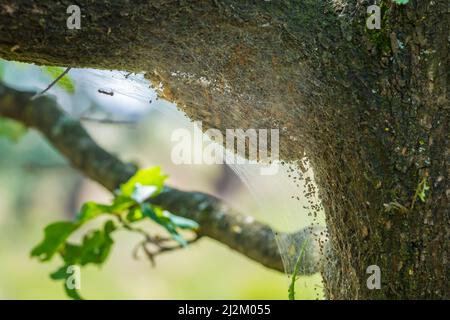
(129, 206)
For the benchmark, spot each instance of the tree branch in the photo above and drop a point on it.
(216, 59)
(217, 220)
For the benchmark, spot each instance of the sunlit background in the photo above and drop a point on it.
(38, 187)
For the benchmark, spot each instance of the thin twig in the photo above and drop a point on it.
(51, 84)
(177, 246)
(107, 121)
(159, 247)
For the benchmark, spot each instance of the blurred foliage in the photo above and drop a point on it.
(11, 129)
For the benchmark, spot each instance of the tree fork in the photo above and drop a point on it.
(369, 108)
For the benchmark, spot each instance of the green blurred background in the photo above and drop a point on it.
(37, 187)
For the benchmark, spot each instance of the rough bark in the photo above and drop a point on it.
(369, 108)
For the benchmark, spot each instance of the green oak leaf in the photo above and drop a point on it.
(144, 177)
(134, 215)
(55, 236)
(97, 245)
(92, 210)
(121, 204)
(169, 221)
(71, 254)
(94, 248)
(72, 293)
(182, 223)
(62, 274)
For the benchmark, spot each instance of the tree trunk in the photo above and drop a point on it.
(369, 108)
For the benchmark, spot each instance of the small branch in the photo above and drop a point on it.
(157, 242)
(160, 247)
(107, 121)
(37, 95)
